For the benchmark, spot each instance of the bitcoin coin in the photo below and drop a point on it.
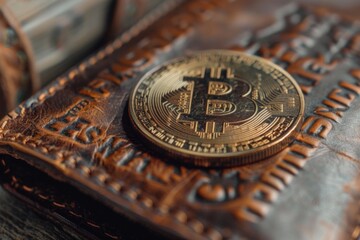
(217, 108)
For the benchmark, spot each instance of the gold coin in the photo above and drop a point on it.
(217, 108)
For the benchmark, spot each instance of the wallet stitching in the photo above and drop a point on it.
(17, 184)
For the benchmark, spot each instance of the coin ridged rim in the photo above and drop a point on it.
(223, 159)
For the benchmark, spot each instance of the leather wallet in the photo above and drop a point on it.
(70, 151)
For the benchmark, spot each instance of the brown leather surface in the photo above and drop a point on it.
(77, 130)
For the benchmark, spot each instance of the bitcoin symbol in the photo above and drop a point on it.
(217, 108)
(217, 101)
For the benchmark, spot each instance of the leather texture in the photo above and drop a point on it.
(78, 133)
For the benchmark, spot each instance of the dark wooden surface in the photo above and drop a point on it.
(17, 221)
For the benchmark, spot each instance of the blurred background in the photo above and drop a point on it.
(41, 39)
